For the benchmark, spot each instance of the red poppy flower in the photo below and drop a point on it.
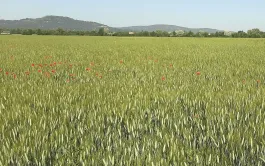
(258, 81)
(6, 73)
(53, 71)
(163, 78)
(39, 71)
(88, 69)
(121, 61)
(96, 74)
(40, 65)
(171, 65)
(32, 65)
(198, 73)
(1, 70)
(15, 76)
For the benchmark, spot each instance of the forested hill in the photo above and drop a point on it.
(67, 23)
(167, 28)
(51, 22)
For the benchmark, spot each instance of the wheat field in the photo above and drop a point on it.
(131, 101)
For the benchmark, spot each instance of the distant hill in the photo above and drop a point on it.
(67, 23)
(51, 22)
(168, 28)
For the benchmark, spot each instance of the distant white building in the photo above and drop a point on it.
(111, 33)
(106, 29)
(228, 33)
(179, 32)
(131, 33)
(5, 33)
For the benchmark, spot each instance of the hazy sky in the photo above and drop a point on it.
(223, 14)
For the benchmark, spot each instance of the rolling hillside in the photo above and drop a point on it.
(67, 23)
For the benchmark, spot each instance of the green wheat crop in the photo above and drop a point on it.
(131, 101)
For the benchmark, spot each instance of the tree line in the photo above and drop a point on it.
(253, 33)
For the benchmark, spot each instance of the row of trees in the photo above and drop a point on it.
(58, 31)
(254, 33)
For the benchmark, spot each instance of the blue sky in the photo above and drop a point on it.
(223, 14)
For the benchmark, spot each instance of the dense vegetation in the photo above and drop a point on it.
(51, 22)
(131, 101)
(67, 23)
(253, 33)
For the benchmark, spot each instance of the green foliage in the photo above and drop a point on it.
(60, 31)
(254, 33)
(101, 32)
(131, 101)
(27, 32)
